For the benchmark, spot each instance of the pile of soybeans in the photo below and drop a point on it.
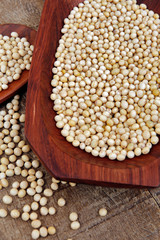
(106, 78)
(15, 56)
(25, 192)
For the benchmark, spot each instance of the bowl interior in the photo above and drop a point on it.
(47, 104)
(30, 34)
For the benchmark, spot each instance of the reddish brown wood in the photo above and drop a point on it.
(30, 34)
(60, 157)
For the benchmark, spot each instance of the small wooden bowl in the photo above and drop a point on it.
(30, 34)
(62, 159)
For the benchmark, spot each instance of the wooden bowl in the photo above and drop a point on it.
(30, 34)
(62, 159)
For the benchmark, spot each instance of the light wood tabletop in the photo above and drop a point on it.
(133, 213)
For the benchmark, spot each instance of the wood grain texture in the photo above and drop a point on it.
(60, 157)
(30, 34)
(26, 12)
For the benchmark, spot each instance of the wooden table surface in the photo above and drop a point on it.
(133, 214)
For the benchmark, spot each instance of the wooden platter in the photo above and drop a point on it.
(62, 159)
(30, 34)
